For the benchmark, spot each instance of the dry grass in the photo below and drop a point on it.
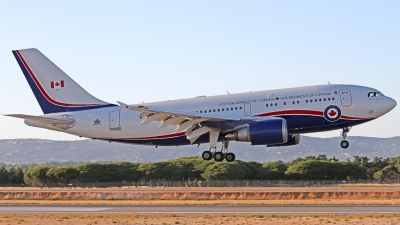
(347, 187)
(164, 219)
(388, 197)
(209, 202)
(345, 194)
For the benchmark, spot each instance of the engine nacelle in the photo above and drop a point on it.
(292, 140)
(267, 132)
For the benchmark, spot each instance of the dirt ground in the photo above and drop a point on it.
(348, 187)
(209, 202)
(132, 218)
(345, 194)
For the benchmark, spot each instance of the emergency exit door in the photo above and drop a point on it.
(345, 97)
(247, 109)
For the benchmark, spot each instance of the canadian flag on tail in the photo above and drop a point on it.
(57, 84)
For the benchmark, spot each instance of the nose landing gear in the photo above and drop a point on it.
(344, 143)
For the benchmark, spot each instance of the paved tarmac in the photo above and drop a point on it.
(204, 209)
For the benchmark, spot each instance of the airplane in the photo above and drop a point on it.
(271, 118)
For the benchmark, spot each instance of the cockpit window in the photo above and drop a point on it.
(375, 94)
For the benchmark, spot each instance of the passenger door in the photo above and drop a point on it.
(345, 97)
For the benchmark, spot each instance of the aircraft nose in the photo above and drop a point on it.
(391, 103)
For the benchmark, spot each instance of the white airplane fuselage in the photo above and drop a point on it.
(302, 108)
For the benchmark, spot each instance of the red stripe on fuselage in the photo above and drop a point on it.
(305, 112)
(157, 137)
(44, 92)
(293, 112)
(353, 118)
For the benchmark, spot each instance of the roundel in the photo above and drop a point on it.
(332, 113)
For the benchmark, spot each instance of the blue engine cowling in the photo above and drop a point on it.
(292, 140)
(267, 132)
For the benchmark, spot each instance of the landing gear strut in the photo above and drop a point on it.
(344, 143)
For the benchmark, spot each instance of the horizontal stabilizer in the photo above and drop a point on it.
(63, 120)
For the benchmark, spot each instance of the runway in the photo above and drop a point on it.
(204, 209)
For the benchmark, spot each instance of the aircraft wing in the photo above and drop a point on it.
(60, 121)
(181, 119)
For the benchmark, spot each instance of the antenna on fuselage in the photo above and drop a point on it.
(228, 92)
(329, 82)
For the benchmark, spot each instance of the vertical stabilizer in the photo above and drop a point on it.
(54, 90)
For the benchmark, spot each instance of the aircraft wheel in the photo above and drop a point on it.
(230, 157)
(207, 155)
(344, 144)
(219, 156)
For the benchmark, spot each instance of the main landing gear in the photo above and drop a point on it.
(344, 143)
(219, 156)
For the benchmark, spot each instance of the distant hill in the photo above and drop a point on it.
(21, 151)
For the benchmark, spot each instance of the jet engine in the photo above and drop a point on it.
(267, 132)
(293, 139)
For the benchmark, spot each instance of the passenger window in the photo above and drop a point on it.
(209, 110)
(272, 104)
(329, 99)
(284, 103)
(324, 99)
(213, 110)
(240, 107)
(266, 105)
(306, 101)
(294, 102)
(311, 100)
(218, 110)
(235, 108)
(222, 109)
(333, 99)
(316, 100)
(276, 104)
(231, 108)
(298, 102)
(227, 109)
(201, 111)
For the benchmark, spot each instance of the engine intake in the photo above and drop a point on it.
(267, 132)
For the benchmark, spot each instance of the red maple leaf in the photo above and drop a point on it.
(332, 113)
(57, 84)
(277, 98)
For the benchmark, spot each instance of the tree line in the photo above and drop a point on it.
(11, 175)
(194, 168)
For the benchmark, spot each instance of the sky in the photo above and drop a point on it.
(134, 51)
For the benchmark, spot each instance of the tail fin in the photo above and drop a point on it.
(54, 90)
